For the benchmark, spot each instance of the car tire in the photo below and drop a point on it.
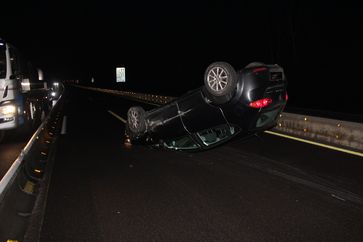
(136, 121)
(220, 80)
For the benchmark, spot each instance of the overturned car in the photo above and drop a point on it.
(230, 104)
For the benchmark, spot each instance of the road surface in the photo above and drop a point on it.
(10, 149)
(262, 189)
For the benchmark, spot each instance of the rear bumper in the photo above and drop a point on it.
(268, 118)
(251, 120)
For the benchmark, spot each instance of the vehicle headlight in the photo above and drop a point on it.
(53, 94)
(8, 109)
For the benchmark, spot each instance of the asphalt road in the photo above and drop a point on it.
(261, 189)
(10, 149)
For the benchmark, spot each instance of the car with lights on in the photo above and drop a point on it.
(54, 91)
(230, 104)
(21, 97)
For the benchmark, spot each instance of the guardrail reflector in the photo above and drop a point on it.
(29, 187)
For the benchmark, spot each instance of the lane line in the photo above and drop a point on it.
(316, 143)
(64, 125)
(116, 116)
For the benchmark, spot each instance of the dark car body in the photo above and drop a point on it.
(193, 121)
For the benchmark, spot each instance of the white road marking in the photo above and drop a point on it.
(64, 125)
(116, 116)
(316, 143)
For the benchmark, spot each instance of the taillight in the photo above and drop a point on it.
(261, 103)
(259, 69)
(286, 97)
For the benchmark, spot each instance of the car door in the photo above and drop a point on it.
(165, 122)
(196, 114)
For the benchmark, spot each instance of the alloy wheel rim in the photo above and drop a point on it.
(217, 79)
(134, 119)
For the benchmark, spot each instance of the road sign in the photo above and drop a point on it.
(120, 74)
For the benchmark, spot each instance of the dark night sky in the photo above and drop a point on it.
(166, 46)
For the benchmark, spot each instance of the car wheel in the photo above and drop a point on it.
(136, 120)
(220, 80)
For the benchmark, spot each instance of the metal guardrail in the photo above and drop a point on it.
(21, 184)
(329, 131)
(8, 177)
(152, 99)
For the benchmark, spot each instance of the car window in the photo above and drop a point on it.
(181, 143)
(216, 134)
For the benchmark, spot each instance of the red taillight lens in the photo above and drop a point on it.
(259, 69)
(286, 97)
(261, 103)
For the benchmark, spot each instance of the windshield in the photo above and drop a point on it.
(2, 62)
(214, 135)
(181, 143)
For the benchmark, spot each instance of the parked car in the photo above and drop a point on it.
(230, 104)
